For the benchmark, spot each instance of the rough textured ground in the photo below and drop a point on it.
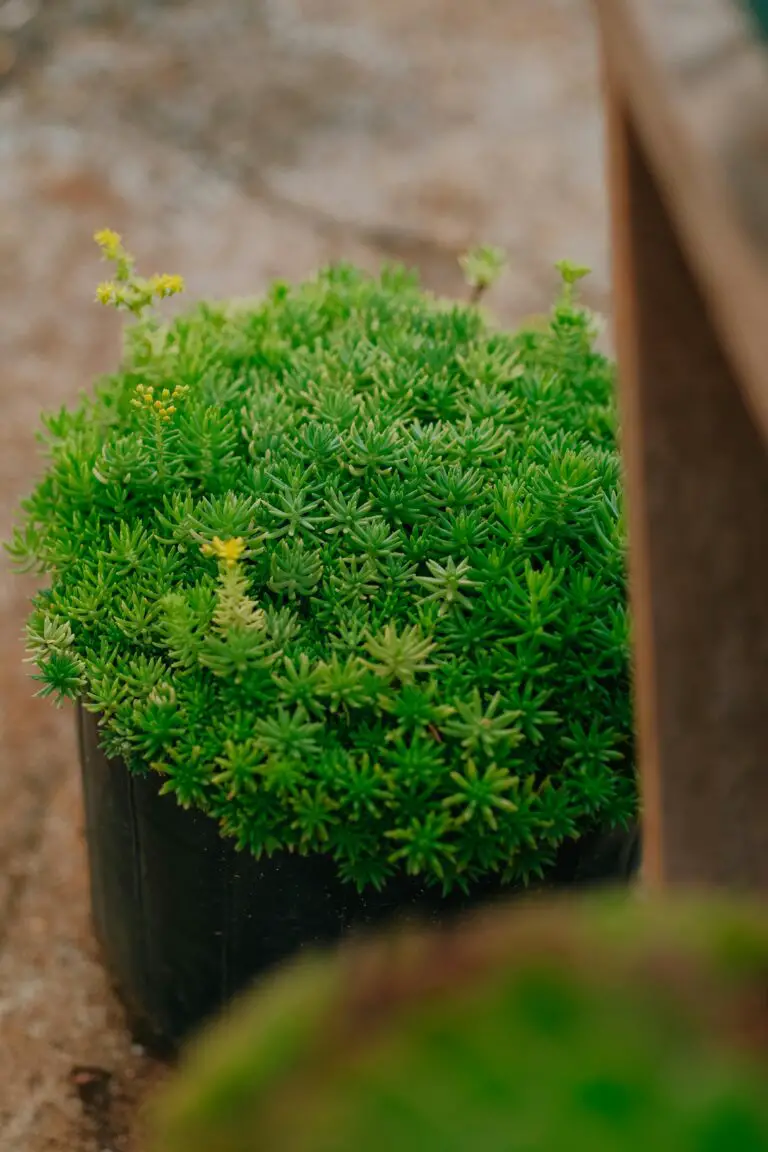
(231, 141)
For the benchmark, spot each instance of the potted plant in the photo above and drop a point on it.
(600, 1025)
(337, 584)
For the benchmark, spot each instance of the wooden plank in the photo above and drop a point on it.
(625, 324)
(697, 479)
(696, 79)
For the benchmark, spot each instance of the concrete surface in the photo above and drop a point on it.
(231, 142)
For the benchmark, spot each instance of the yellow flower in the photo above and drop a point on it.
(163, 408)
(105, 293)
(110, 242)
(166, 285)
(126, 289)
(229, 551)
(111, 294)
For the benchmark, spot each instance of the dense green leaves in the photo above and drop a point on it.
(346, 567)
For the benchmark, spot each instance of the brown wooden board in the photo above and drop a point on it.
(697, 478)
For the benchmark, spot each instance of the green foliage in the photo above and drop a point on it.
(592, 1028)
(346, 567)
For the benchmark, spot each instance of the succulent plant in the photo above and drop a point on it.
(345, 568)
(590, 1027)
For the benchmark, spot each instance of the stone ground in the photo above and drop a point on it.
(231, 141)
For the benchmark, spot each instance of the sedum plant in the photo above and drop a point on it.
(592, 1027)
(345, 568)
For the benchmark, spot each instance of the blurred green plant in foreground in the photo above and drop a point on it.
(592, 1027)
(758, 9)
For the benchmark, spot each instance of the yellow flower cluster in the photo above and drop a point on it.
(166, 285)
(161, 405)
(228, 551)
(127, 290)
(112, 250)
(109, 293)
(111, 244)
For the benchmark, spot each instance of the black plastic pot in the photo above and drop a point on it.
(185, 921)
